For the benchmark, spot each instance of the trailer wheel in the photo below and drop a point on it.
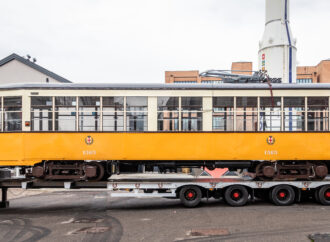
(236, 196)
(282, 195)
(316, 196)
(324, 195)
(190, 196)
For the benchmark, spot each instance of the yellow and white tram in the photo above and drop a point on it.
(83, 131)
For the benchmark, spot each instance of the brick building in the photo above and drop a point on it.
(314, 74)
(305, 74)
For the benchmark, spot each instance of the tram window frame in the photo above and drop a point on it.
(294, 114)
(89, 113)
(12, 113)
(223, 114)
(168, 114)
(113, 113)
(69, 104)
(246, 114)
(41, 113)
(191, 114)
(136, 110)
(318, 106)
(270, 112)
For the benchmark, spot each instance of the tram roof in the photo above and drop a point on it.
(134, 86)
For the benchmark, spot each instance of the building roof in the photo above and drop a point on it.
(33, 66)
(134, 86)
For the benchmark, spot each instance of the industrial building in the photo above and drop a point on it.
(305, 74)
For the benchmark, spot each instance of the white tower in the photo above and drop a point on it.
(277, 49)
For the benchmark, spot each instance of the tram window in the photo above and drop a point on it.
(65, 113)
(117, 103)
(192, 103)
(41, 101)
(41, 113)
(192, 121)
(136, 115)
(270, 114)
(247, 113)
(89, 113)
(137, 103)
(223, 102)
(168, 121)
(65, 101)
(89, 101)
(168, 113)
(294, 102)
(12, 113)
(168, 103)
(294, 113)
(318, 113)
(192, 115)
(270, 102)
(223, 114)
(113, 115)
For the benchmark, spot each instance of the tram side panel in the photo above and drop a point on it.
(12, 149)
(27, 149)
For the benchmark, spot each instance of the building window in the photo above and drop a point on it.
(306, 80)
(185, 82)
(246, 113)
(136, 113)
(113, 113)
(89, 113)
(168, 113)
(318, 113)
(12, 113)
(65, 113)
(192, 113)
(223, 114)
(294, 114)
(41, 114)
(212, 82)
(270, 114)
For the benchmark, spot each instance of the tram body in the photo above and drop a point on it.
(222, 125)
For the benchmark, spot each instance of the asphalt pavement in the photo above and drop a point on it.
(95, 216)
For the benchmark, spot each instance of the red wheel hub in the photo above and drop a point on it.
(190, 195)
(327, 194)
(236, 195)
(282, 194)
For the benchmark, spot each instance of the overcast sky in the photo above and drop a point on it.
(137, 40)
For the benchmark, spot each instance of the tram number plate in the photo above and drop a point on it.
(89, 152)
(271, 152)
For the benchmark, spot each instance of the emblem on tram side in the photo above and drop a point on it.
(270, 140)
(89, 140)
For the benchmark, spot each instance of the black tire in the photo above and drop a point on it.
(282, 195)
(324, 195)
(316, 196)
(190, 196)
(236, 196)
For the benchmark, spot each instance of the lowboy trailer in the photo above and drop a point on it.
(234, 191)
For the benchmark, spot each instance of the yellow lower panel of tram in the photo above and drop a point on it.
(26, 149)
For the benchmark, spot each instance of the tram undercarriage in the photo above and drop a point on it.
(102, 170)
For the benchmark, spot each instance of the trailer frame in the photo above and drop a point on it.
(160, 187)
